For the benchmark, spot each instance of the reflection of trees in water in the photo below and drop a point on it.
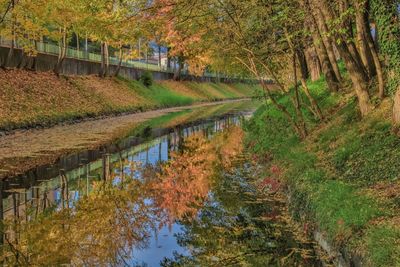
(184, 182)
(99, 229)
(242, 226)
(119, 214)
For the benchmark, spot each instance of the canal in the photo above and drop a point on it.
(174, 190)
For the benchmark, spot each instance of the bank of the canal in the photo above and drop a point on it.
(29, 99)
(27, 149)
(176, 190)
(343, 180)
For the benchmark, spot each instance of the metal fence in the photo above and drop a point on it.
(53, 49)
(82, 54)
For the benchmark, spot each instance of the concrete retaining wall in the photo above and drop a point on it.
(72, 66)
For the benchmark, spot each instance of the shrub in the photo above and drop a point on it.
(147, 78)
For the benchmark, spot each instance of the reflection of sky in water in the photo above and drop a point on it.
(160, 246)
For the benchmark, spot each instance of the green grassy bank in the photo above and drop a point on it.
(344, 179)
(30, 99)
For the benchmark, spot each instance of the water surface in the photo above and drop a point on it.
(121, 205)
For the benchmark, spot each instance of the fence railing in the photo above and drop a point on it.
(82, 54)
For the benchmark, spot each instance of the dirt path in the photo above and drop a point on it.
(22, 150)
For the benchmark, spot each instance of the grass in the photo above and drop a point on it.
(159, 95)
(341, 177)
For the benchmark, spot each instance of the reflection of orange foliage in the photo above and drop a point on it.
(231, 145)
(185, 181)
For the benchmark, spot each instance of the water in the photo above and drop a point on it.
(112, 205)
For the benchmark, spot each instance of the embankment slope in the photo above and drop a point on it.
(29, 99)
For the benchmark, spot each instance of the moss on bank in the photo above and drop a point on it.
(345, 177)
(42, 99)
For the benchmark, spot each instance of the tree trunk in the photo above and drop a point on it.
(356, 72)
(104, 60)
(365, 52)
(365, 29)
(328, 44)
(313, 63)
(396, 109)
(168, 59)
(86, 48)
(103, 63)
(346, 36)
(11, 50)
(10, 54)
(358, 78)
(299, 113)
(23, 62)
(314, 104)
(327, 69)
(62, 52)
(77, 43)
(177, 73)
(303, 64)
(159, 57)
(119, 63)
(107, 59)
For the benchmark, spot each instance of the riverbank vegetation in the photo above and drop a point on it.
(30, 99)
(343, 179)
